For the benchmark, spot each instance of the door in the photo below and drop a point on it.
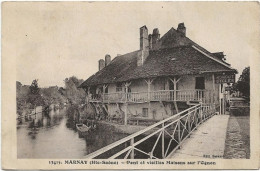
(200, 85)
(171, 87)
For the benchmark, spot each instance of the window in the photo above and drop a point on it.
(200, 83)
(118, 87)
(145, 112)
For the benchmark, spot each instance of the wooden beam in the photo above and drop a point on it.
(126, 106)
(149, 80)
(127, 84)
(214, 88)
(164, 108)
(171, 80)
(175, 88)
(178, 79)
(174, 81)
(104, 87)
(88, 90)
(176, 107)
(104, 106)
(95, 109)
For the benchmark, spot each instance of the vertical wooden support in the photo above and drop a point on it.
(149, 82)
(175, 87)
(179, 133)
(220, 107)
(132, 155)
(126, 106)
(189, 122)
(104, 89)
(127, 84)
(176, 107)
(200, 110)
(174, 81)
(88, 90)
(214, 89)
(163, 156)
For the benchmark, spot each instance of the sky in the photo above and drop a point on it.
(55, 40)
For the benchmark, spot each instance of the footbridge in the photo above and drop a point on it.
(159, 140)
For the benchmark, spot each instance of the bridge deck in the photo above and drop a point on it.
(208, 140)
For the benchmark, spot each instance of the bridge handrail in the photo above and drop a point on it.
(123, 140)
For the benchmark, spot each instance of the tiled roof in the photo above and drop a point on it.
(117, 68)
(175, 55)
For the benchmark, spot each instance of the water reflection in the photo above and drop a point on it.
(52, 135)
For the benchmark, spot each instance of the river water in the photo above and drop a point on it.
(54, 137)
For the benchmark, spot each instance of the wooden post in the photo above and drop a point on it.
(132, 155)
(127, 84)
(174, 81)
(175, 87)
(220, 107)
(179, 133)
(104, 89)
(149, 82)
(88, 90)
(126, 105)
(189, 122)
(213, 82)
(163, 141)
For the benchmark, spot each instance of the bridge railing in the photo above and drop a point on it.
(168, 135)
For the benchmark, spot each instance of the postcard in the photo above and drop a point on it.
(130, 85)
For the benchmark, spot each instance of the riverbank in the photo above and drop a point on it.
(237, 143)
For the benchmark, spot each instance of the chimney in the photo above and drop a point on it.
(144, 43)
(155, 36)
(220, 55)
(150, 41)
(144, 46)
(107, 59)
(101, 65)
(182, 29)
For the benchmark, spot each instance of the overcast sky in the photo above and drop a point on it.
(53, 41)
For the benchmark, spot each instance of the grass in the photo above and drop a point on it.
(237, 143)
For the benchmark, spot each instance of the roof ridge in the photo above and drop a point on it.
(168, 48)
(209, 56)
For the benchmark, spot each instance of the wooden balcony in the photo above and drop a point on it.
(204, 96)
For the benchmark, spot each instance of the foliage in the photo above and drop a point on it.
(31, 96)
(51, 95)
(34, 96)
(34, 88)
(72, 92)
(21, 97)
(243, 83)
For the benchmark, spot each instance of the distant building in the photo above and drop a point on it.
(166, 75)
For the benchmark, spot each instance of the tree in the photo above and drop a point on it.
(243, 83)
(34, 96)
(72, 92)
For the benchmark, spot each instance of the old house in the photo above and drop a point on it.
(167, 74)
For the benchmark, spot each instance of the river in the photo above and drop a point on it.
(53, 137)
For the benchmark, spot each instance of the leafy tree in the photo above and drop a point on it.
(18, 86)
(52, 95)
(34, 88)
(243, 83)
(72, 92)
(34, 96)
